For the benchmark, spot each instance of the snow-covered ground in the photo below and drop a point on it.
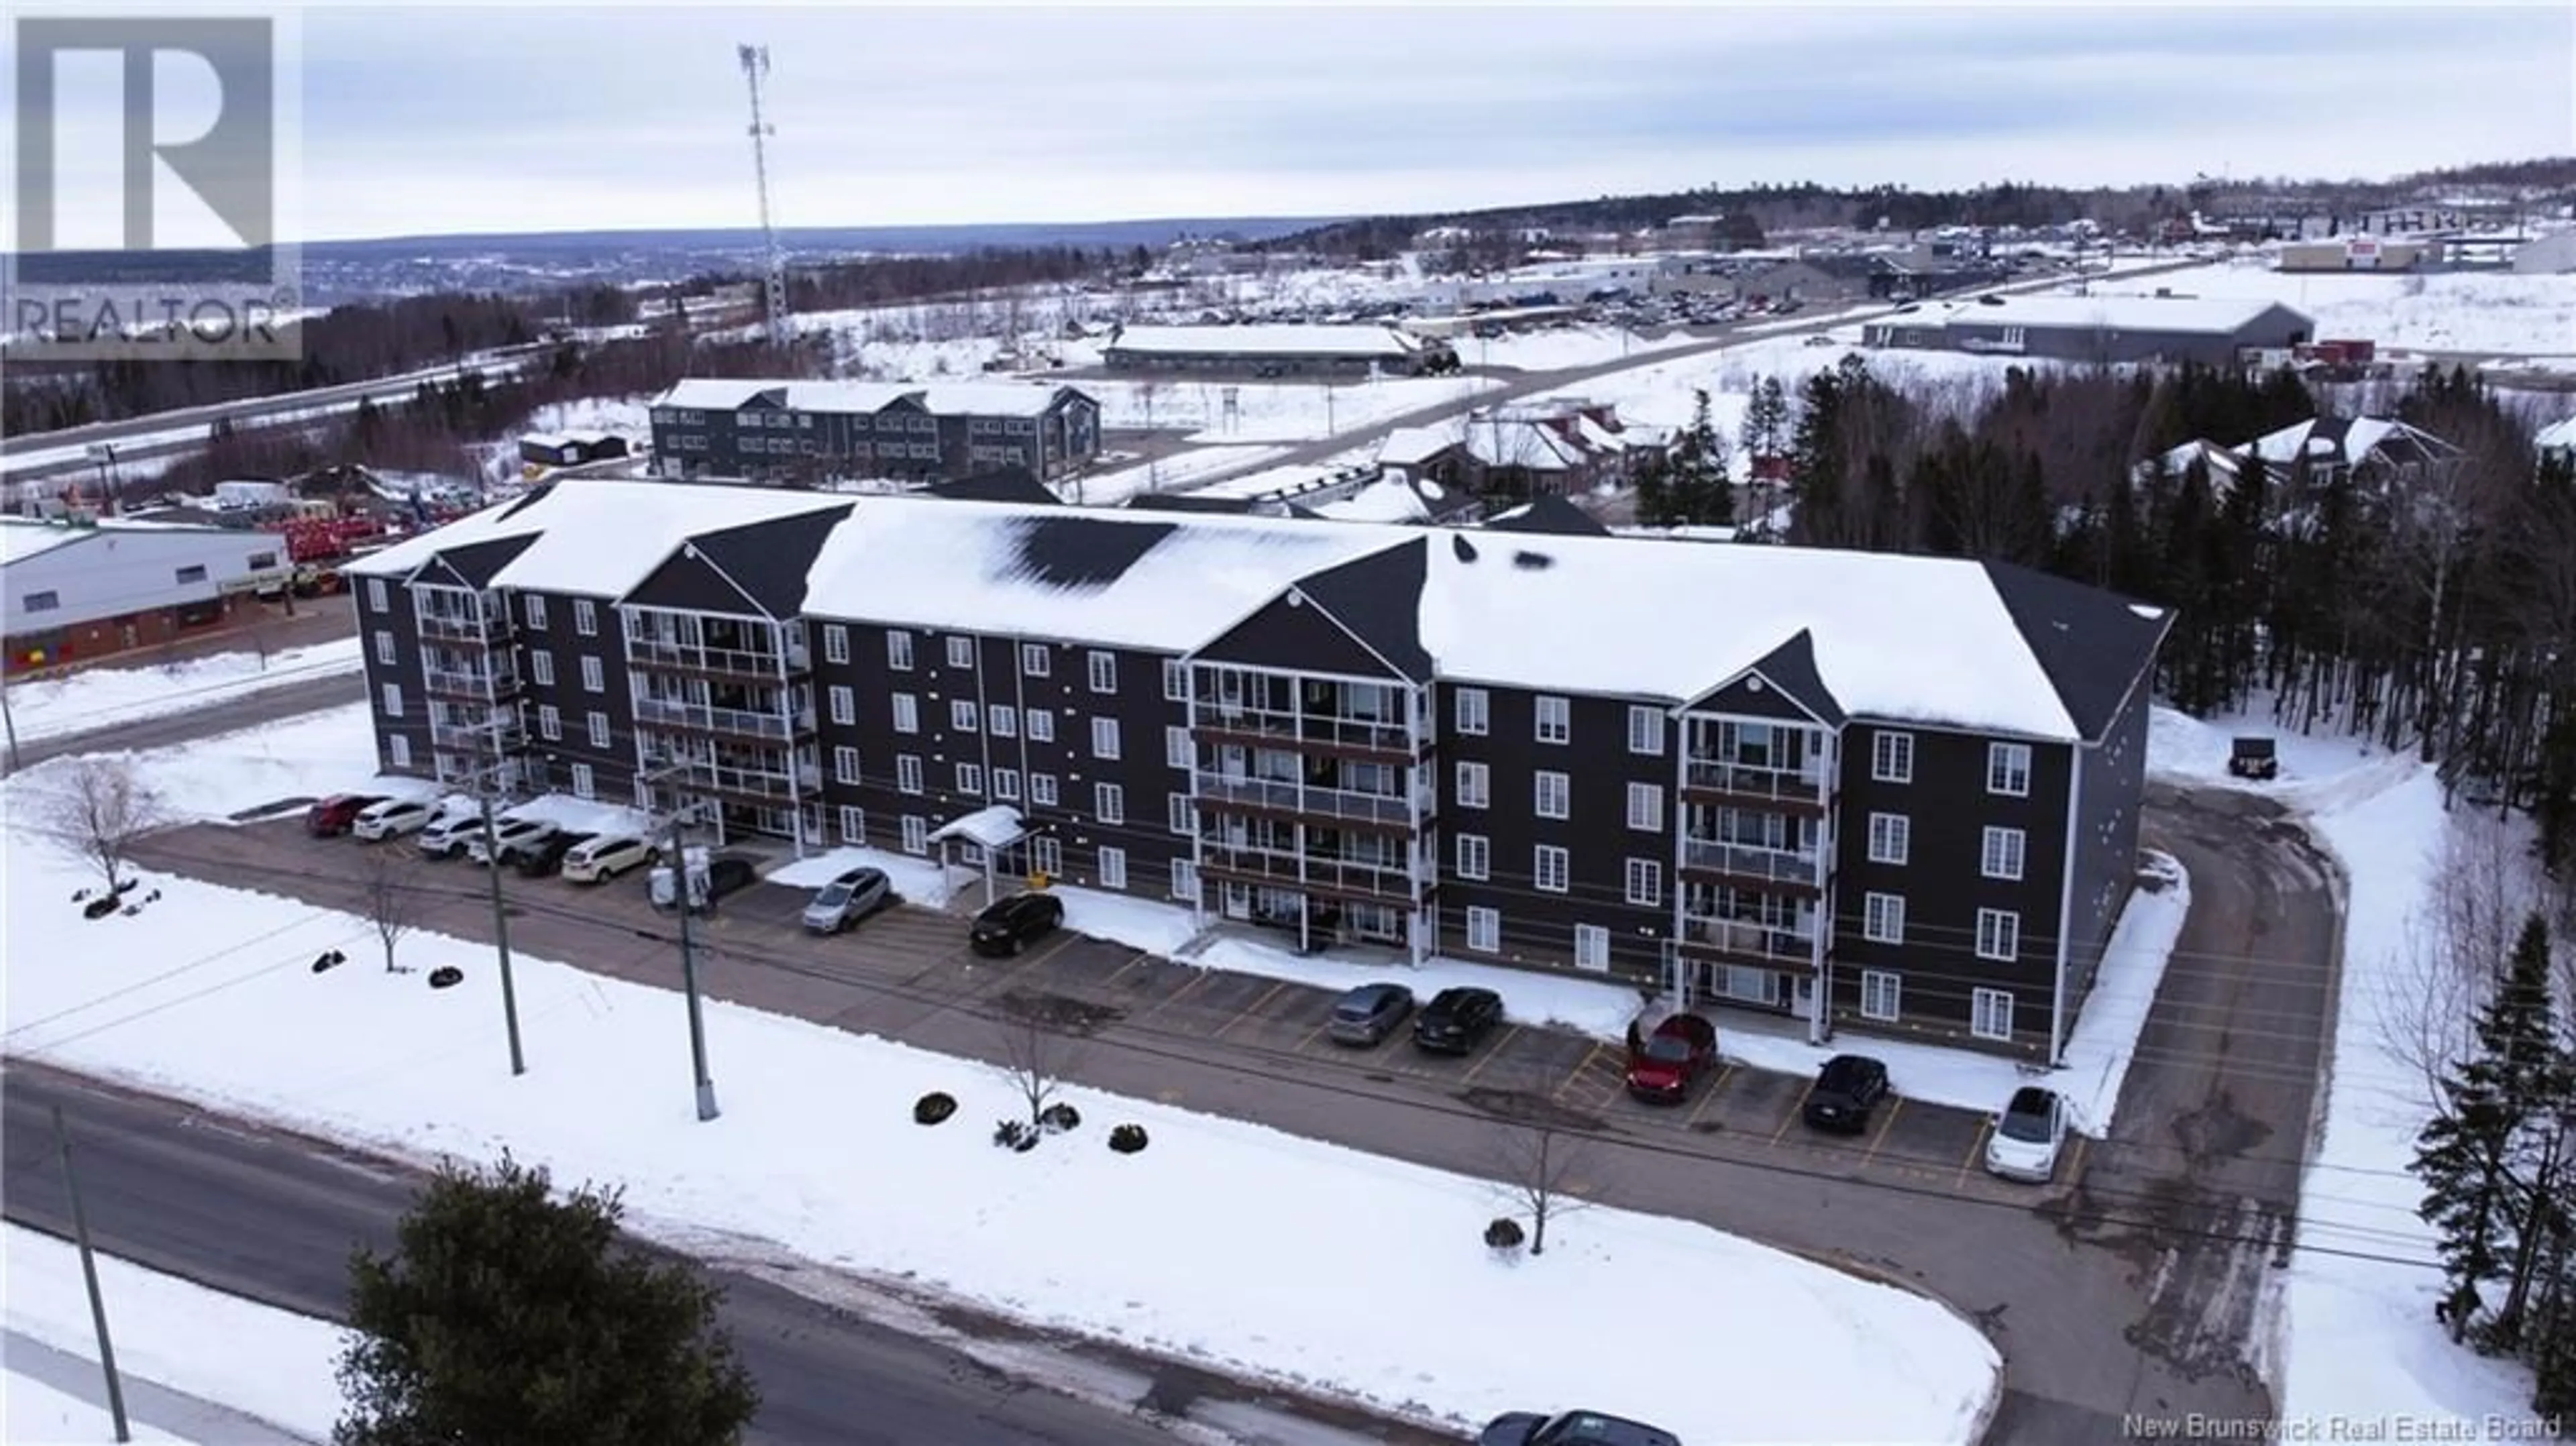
(629, 417)
(35, 1414)
(261, 1361)
(1557, 348)
(1176, 473)
(2356, 1340)
(2439, 311)
(1150, 1248)
(102, 697)
(1272, 412)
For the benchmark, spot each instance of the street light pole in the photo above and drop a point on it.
(487, 761)
(682, 900)
(89, 1277)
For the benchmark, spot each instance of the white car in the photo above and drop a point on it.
(2028, 1136)
(598, 860)
(512, 836)
(446, 835)
(392, 818)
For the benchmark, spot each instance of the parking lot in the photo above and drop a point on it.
(909, 963)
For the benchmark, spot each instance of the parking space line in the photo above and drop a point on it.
(1581, 1071)
(1141, 957)
(1707, 1097)
(1976, 1152)
(1313, 1034)
(2075, 1162)
(1025, 963)
(1795, 1111)
(1249, 1010)
(1895, 1107)
(1492, 1053)
(1156, 1007)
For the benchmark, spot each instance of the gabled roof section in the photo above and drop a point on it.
(472, 564)
(1549, 514)
(757, 569)
(1787, 674)
(1378, 599)
(717, 394)
(2093, 645)
(1079, 553)
(1009, 484)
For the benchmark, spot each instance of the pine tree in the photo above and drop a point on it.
(1766, 420)
(2460, 1155)
(1655, 490)
(506, 1315)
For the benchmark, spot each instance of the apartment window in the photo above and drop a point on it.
(1646, 806)
(1555, 720)
(2002, 854)
(1475, 785)
(1591, 947)
(1475, 712)
(1645, 730)
(194, 572)
(375, 597)
(1104, 738)
(385, 648)
(1177, 751)
(1998, 935)
(1034, 662)
(1041, 725)
(398, 751)
(598, 730)
(1485, 930)
(1176, 681)
(1882, 918)
(1548, 868)
(594, 679)
(1182, 813)
(970, 780)
(549, 722)
(1475, 857)
(907, 773)
(961, 715)
(1104, 672)
(1645, 882)
(393, 700)
(1185, 879)
(1553, 794)
(49, 599)
(1042, 790)
(836, 643)
(1891, 838)
(1891, 757)
(1109, 802)
(1113, 868)
(1002, 721)
(854, 824)
(844, 705)
(536, 614)
(1006, 784)
(2008, 769)
(916, 834)
(585, 617)
(585, 781)
(1990, 1013)
(899, 651)
(907, 713)
(961, 652)
(1880, 992)
(541, 668)
(845, 765)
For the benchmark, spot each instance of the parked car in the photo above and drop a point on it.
(597, 860)
(848, 899)
(1014, 923)
(1457, 1020)
(710, 880)
(1682, 1048)
(337, 814)
(2027, 1136)
(392, 819)
(1847, 1089)
(1572, 1428)
(446, 835)
(509, 837)
(1368, 1014)
(542, 860)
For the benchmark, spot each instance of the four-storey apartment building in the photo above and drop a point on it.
(767, 431)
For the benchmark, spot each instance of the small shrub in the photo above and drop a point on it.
(933, 1108)
(1015, 1135)
(1060, 1118)
(102, 906)
(1127, 1139)
(1504, 1234)
(446, 976)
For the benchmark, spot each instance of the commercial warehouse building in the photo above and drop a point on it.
(2100, 330)
(77, 589)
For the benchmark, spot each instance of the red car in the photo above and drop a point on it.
(1679, 1051)
(332, 816)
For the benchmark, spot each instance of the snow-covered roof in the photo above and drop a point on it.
(2559, 434)
(1413, 446)
(996, 827)
(595, 537)
(545, 439)
(585, 436)
(1380, 502)
(1524, 443)
(2352, 441)
(949, 399)
(1273, 481)
(990, 399)
(23, 538)
(712, 394)
(1267, 340)
(841, 396)
(2215, 315)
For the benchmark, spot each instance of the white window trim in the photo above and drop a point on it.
(1474, 712)
(1645, 882)
(1178, 751)
(1591, 948)
(1113, 867)
(1650, 817)
(1874, 983)
(2000, 847)
(907, 713)
(836, 643)
(1645, 730)
(970, 779)
(594, 674)
(907, 773)
(1541, 855)
(2004, 927)
(1540, 794)
(1104, 739)
(1039, 725)
(2003, 761)
(1176, 681)
(1983, 1003)
(1896, 832)
(1475, 785)
(385, 654)
(598, 731)
(1035, 662)
(1875, 905)
(1475, 861)
(916, 834)
(841, 755)
(541, 668)
(1043, 792)
(1891, 757)
(1109, 803)
(1484, 929)
(898, 651)
(961, 652)
(961, 715)
(1562, 709)
(1101, 671)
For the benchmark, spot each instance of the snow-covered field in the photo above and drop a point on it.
(267, 1363)
(2357, 1339)
(2438, 311)
(1557, 348)
(1272, 412)
(1176, 473)
(1159, 1249)
(102, 697)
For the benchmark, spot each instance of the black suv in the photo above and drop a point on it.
(1847, 1089)
(545, 859)
(1014, 923)
(1457, 1020)
(1572, 1428)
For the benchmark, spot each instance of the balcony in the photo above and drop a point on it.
(1778, 867)
(1340, 878)
(770, 726)
(1805, 790)
(500, 733)
(1277, 796)
(464, 628)
(766, 784)
(1746, 940)
(1259, 729)
(477, 685)
(748, 665)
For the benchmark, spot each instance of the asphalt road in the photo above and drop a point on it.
(2128, 1289)
(273, 1216)
(205, 720)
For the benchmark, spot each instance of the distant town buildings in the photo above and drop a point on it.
(1276, 351)
(2101, 330)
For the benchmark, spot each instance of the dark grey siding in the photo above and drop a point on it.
(612, 767)
(1753, 697)
(1141, 772)
(868, 683)
(395, 617)
(2105, 852)
(1298, 637)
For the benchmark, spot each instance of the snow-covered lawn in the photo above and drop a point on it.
(1273, 412)
(264, 1362)
(1222, 1242)
(101, 697)
(35, 1414)
(2438, 311)
(1558, 348)
(1175, 473)
(2359, 1342)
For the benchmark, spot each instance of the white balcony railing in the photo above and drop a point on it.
(1289, 797)
(1753, 940)
(754, 782)
(1291, 729)
(1782, 866)
(462, 627)
(497, 681)
(499, 734)
(741, 722)
(730, 662)
(1287, 871)
(1799, 785)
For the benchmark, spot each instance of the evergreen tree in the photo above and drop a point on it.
(1766, 420)
(505, 1315)
(1654, 480)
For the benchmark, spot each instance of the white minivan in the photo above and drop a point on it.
(596, 861)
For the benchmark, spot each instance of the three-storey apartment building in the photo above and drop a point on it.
(788, 430)
(1890, 793)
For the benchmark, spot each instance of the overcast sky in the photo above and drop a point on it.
(526, 119)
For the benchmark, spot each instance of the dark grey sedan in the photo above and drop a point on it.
(1368, 1014)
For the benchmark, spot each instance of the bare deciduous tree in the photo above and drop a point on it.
(1038, 1049)
(1542, 1168)
(98, 810)
(2482, 889)
(389, 893)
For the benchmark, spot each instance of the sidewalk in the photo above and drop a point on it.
(147, 1403)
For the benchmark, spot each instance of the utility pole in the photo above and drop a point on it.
(682, 899)
(89, 1277)
(8, 724)
(486, 781)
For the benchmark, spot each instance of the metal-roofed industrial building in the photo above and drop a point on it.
(2100, 330)
(1276, 351)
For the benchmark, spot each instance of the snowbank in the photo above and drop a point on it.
(104, 697)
